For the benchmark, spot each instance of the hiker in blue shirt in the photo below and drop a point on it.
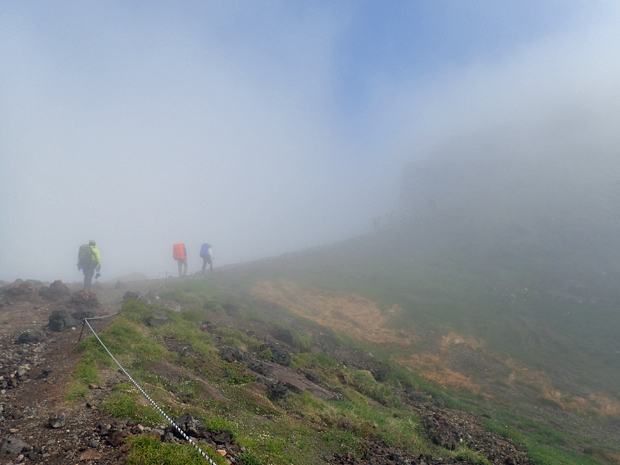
(207, 256)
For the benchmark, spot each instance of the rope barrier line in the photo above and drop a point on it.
(100, 317)
(174, 425)
(93, 318)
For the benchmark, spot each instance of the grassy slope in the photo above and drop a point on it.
(298, 429)
(535, 282)
(441, 288)
(534, 279)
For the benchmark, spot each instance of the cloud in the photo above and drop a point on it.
(229, 123)
(142, 132)
(566, 76)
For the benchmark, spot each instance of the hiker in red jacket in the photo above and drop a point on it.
(179, 253)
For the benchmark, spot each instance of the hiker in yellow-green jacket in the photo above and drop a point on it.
(89, 261)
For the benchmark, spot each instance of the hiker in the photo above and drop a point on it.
(376, 222)
(179, 253)
(89, 261)
(207, 256)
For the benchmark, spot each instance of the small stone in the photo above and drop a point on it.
(90, 455)
(57, 421)
(117, 438)
(156, 433)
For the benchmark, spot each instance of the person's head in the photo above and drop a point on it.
(91, 243)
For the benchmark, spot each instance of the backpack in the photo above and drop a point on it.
(204, 250)
(86, 256)
(178, 251)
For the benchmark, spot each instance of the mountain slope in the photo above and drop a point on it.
(479, 327)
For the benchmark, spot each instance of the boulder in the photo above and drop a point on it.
(117, 438)
(57, 421)
(278, 354)
(283, 334)
(82, 314)
(56, 291)
(131, 295)
(158, 319)
(60, 320)
(25, 290)
(11, 447)
(231, 354)
(191, 426)
(30, 337)
(222, 436)
(83, 300)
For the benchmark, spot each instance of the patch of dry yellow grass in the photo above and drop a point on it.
(351, 314)
(596, 404)
(364, 320)
(434, 368)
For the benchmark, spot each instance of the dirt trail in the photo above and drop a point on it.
(37, 375)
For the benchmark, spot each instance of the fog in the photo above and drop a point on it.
(266, 128)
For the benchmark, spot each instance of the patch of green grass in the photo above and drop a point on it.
(545, 446)
(214, 307)
(76, 390)
(302, 341)
(123, 403)
(266, 354)
(320, 363)
(237, 373)
(343, 440)
(248, 458)
(127, 334)
(86, 372)
(398, 427)
(365, 384)
(495, 427)
(197, 294)
(544, 455)
(316, 360)
(189, 333)
(465, 454)
(149, 451)
(193, 316)
(219, 424)
(124, 338)
(137, 311)
(237, 338)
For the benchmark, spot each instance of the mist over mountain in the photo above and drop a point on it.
(542, 200)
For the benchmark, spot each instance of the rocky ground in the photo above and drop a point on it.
(40, 326)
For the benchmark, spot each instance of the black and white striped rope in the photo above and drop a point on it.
(174, 425)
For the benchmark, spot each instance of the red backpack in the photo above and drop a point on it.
(178, 251)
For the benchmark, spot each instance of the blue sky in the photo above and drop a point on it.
(261, 127)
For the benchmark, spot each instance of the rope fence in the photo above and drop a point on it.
(174, 425)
